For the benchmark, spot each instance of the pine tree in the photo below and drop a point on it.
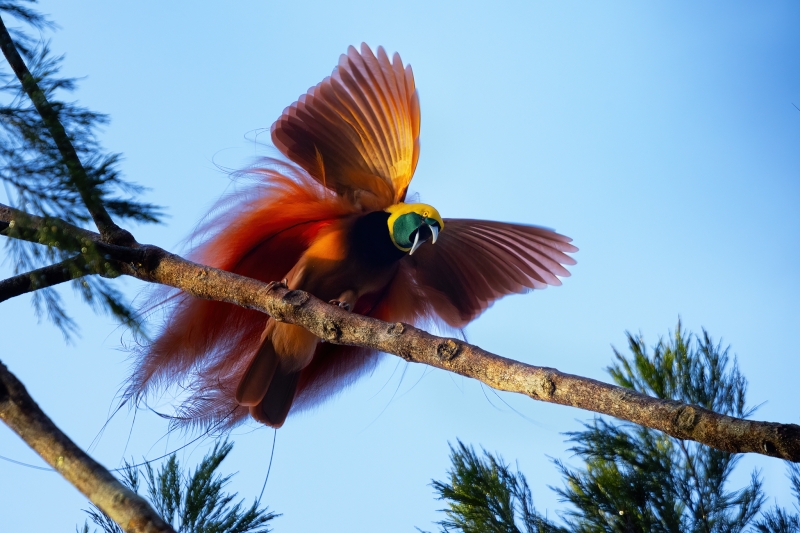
(485, 496)
(633, 479)
(778, 520)
(191, 503)
(52, 165)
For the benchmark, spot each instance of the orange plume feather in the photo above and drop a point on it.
(330, 226)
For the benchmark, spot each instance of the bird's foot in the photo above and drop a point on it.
(339, 303)
(282, 284)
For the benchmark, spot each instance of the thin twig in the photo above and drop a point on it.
(333, 324)
(66, 270)
(21, 413)
(696, 479)
(108, 229)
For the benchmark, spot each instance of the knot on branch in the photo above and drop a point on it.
(687, 418)
(295, 298)
(447, 350)
(331, 330)
(396, 329)
(784, 441)
(544, 387)
(118, 236)
(769, 448)
(145, 258)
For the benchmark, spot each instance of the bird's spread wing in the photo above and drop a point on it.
(357, 132)
(475, 262)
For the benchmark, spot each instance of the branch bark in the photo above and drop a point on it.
(26, 419)
(683, 421)
(40, 278)
(11, 218)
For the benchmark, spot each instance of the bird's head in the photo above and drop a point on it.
(410, 225)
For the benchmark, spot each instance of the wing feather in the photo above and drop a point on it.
(475, 262)
(357, 131)
(367, 93)
(492, 261)
(545, 266)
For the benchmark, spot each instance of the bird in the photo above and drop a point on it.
(331, 219)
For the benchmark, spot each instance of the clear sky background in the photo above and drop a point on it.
(660, 136)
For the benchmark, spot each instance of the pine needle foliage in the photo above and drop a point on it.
(191, 503)
(485, 496)
(633, 479)
(778, 520)
(637, 479)
(39, 179)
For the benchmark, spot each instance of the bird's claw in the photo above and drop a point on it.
(282, 284)
(339, 303)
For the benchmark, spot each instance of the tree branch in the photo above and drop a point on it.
(108, 229)
(26, 419)
(10, 218)
(66, 270)
(679, 420)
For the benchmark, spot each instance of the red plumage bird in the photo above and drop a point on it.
(335, 224)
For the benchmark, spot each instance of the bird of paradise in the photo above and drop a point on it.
(333, 222)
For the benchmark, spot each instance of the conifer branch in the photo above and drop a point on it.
(89, 194)
(333, 324)
(21, 413)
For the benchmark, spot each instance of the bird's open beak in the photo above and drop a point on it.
(419, 242)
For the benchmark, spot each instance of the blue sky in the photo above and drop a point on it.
(661, 136)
